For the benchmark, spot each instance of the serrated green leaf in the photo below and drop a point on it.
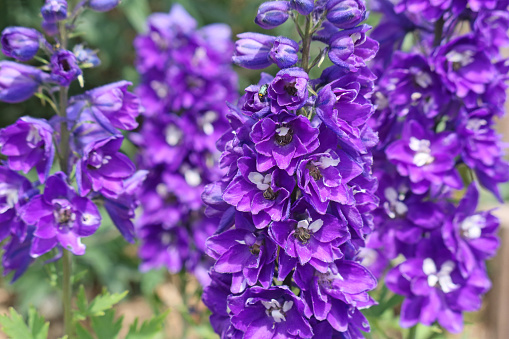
(148, 329)
(15, 327)
(104, 302)
(82, 303)
(83, 333)
(106, 327)
(37, 324)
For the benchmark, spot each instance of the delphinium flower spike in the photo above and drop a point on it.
(294, 204)
(436, 106)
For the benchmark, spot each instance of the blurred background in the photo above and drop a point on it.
(113, 263)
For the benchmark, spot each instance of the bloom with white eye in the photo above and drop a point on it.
(422, 151)
(261, 182)
(442, 277)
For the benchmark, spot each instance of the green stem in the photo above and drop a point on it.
(67, 293)
(412, 334)
(306, 44)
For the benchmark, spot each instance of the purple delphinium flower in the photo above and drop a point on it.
(269, 313)
(331, 294)
(54, 10)
(469, 235)
(435, 291)
(464, 67)
(272, 14)
(64, 67)
(430, 10)
(256, 101)
(323, 177)
(427, 159)
(20, 43)
(309, 236)
(61, 217)
(281, 140)
(102, 5)
(304, 7)
(86, 56)
(289, 90)
(27, 144)
(116, 104)
(265, 195)
(19, 82)
(103, 168)
(345, 14)
(249, 257)
(352, 48)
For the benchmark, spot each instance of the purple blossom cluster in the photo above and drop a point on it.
(60, 208)
(294, 204)
(186, 79)
(436, 106)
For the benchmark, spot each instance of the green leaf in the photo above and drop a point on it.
(136, 12)
(104, 302)
(37, 324)
(15, 327)
(106, 327)
(148, 329)
(82, 303)
(82, 333)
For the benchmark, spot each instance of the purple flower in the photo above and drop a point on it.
(266, 195)
(345, 14)
(54, 10)
(215, 297)
(430, 10)
(331, 294)
(86, 56)
(289, 89)
(61, 217)
(64, 67)
(163, 246)
(16, 256)
(15, 190)
(352, 48)
(304, 7)
(249, 257)
(435, 291)
(256, 101)
(469, 235)
(256, 51)
(272, 14)
(27, 144)
(281, 140)
(270, 313)
(20, 43)
(310, 237)
(492, 27)
(50, 28)
(323, 177)
(19, 82)
(464, 67)
(103, 168)
(103, 5)
(114, 103)
(426, 158)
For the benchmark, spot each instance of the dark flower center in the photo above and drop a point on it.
(456, 65)
(283, 140)
(64, 215)
(269, 194)
(302, 235)
(314, 171)
(290, 89)
(65, 65)
(255, 249)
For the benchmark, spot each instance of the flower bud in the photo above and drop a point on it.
(54, 10)
(20, 43)
(51, 28)
(86, 56)
(19, 82)
(64, 68)
(284, 52)
(272, 14)
(345, 13)
(304, 7)
(352, 48)
(252, 50)
(103, 5)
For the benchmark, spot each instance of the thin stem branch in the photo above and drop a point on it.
(67, 293)
(306, 44)
(412, 334)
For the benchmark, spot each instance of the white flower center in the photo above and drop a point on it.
(173, 135)
(472, 226)
(422, 151)
(10, 193)
(160, 88)
(423, 79)
(282, 131)
(443, 277)
(33, 136)
(462, 58)
(261, 182)
(326, 162)
(314, 227)
(206, 121)
(193, 178)
(394, 206)
(476, 124)
(274, 309)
